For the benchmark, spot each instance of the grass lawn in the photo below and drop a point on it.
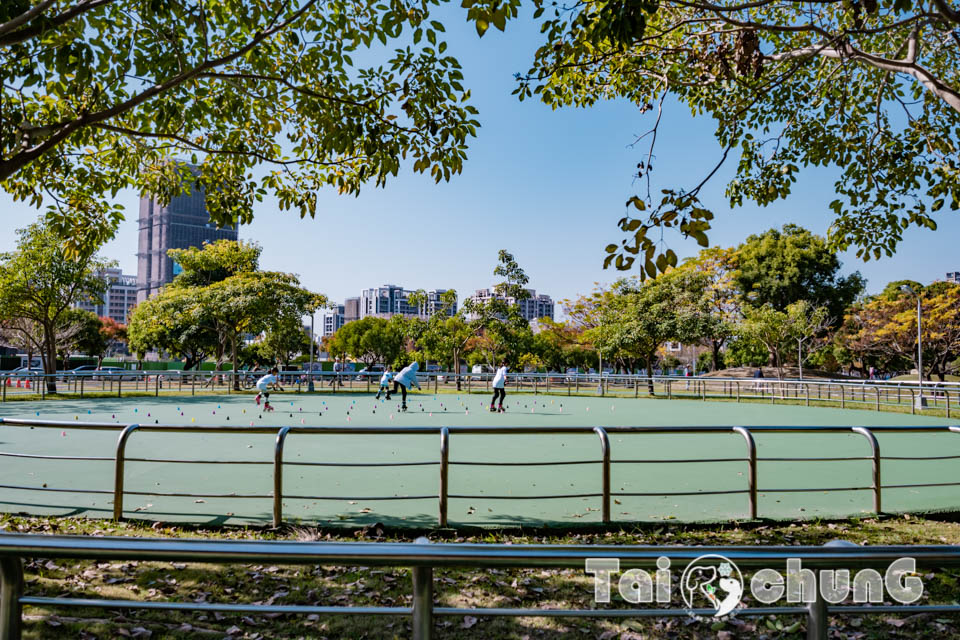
(461, 588)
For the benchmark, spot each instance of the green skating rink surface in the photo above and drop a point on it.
(346, 487)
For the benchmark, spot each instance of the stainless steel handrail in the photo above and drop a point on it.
(606, 460)
(423, 557)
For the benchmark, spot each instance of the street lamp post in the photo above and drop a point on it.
(921, 402)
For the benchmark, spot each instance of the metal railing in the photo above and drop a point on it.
(423, 557)
(605, 461)
(869, 394)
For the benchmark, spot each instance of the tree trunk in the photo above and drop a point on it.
(650, 376)
(233, 349)
(456, 367)
(715, 346)
(49, 356)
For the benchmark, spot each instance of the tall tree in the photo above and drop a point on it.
(39, 283)
(283, 341)
(782, 331)
(102, 95)
(115, 333)
(81, 331)
(172, 322)
(370, 339)
(633, 319)
(780, 267)
(886, 326)
(218, 297)
(447, 337)
(719, 267)
(868, 88)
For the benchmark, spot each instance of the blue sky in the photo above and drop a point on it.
(546, 185)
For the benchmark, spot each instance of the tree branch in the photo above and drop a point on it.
(14, 37)
(946, 93)
(8, 167)
(24, 17)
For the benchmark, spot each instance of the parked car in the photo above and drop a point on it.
(372, 371)
(84, 370)
(113, 374)
(25, 372)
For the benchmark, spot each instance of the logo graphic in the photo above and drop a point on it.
(712, 581)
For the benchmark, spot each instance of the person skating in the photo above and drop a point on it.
(385, 381)
(404, 380)
(263, 387)
(499, 387)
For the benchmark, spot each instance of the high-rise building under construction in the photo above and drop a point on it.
(181, 224)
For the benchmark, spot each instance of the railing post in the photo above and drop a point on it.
(877, 389)
(11, 590)
(947, 394)
(913, 405)
(843, 398)
(278, 477)
(81, 386)
(444, 473)
(422, 600)
(118, 470)
(605, 453)
(156, 385)
(806, 388)
(738, 390)
(120, 386)
(817, 623)
(751, 468)
(875, 448)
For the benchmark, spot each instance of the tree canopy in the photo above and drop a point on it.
(102, 95)
(868, 87)
(781, 267)
(220, 296)
(39, 284)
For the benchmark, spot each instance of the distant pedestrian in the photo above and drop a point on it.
(337, 369)
(499, 388)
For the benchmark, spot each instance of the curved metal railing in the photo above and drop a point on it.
(422, 557)
(869, 394)
(605, 461)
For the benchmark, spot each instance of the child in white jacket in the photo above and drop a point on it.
(385, 381)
